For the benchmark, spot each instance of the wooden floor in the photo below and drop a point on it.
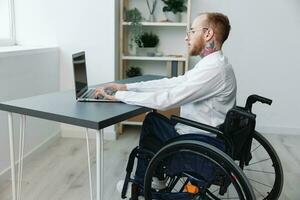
(60, 172)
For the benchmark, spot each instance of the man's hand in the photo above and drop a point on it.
(101, 92)
(111, 87)
(115, 86)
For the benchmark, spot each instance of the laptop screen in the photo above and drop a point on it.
(80, 76)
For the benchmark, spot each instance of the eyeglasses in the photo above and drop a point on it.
(193, 31)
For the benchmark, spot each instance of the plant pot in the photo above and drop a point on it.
(171, 17)
(132, 50)
(147, 51)
(133, 71)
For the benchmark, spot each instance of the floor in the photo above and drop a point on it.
(60, 172)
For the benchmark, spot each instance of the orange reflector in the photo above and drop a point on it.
(191, 188)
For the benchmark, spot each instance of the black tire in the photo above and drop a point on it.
(264, 171)
(222, 161)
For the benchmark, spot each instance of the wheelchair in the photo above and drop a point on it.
(238, 163)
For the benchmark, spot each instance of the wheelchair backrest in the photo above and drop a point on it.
(238, 127)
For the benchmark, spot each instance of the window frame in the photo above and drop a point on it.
(12, 39)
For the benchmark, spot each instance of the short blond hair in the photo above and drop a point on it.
(220, 24)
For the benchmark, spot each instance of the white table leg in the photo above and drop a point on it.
(12, 155)
(21, 155)
(100, 163)
(89, 163)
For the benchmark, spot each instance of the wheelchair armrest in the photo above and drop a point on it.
(198, 125)
(243, 112)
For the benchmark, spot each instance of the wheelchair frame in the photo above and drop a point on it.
(243, 156)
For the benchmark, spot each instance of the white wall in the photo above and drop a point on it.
(263, 48)
(25, 74)
(73, 25)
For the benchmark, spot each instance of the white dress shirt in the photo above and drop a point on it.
(205, 93)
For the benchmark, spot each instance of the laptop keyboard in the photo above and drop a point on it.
(91, 94)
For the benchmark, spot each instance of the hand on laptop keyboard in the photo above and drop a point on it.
(107, 93)
(99, 97)
(110, 91)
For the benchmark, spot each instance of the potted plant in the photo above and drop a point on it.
(173, 9)
(133, 71)
(134, 16)
(147, 44)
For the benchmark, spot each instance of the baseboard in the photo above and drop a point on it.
(5, 174)
(278, 130)
(68, 131)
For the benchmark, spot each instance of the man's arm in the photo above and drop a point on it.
(143, 86)
(154, 85)
(198, 87)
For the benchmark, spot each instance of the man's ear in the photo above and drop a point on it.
(209, 34)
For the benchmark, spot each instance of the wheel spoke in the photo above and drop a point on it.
(255, 148)
(213, 195)
(264, 170)
(261, 171)
(260, 183)
(259, 161)
(258, 192)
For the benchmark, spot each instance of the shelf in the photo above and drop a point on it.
(175, 24)
(159, 64)
(160, 58)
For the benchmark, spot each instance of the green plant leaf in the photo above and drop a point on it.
(135, 17)
(147, 40)
(133, 71)
(174, 6)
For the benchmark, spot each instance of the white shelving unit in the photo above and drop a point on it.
(157, 58)
(176, 24)
(171, 35)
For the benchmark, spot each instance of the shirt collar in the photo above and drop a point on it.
(211, 59)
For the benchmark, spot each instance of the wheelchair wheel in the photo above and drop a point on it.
(264, 170)
(197, 171)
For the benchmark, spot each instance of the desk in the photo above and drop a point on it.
(62, 107)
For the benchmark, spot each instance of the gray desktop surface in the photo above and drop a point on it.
(63, 107)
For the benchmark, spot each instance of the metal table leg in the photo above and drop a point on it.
(100, 164)
(12, 155)
(89, 163)
(16, 192)
(21, 155)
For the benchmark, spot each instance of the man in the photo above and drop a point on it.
(205, 93)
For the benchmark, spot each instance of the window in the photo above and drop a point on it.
(7, 28)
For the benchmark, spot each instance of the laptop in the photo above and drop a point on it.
(82, 91)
